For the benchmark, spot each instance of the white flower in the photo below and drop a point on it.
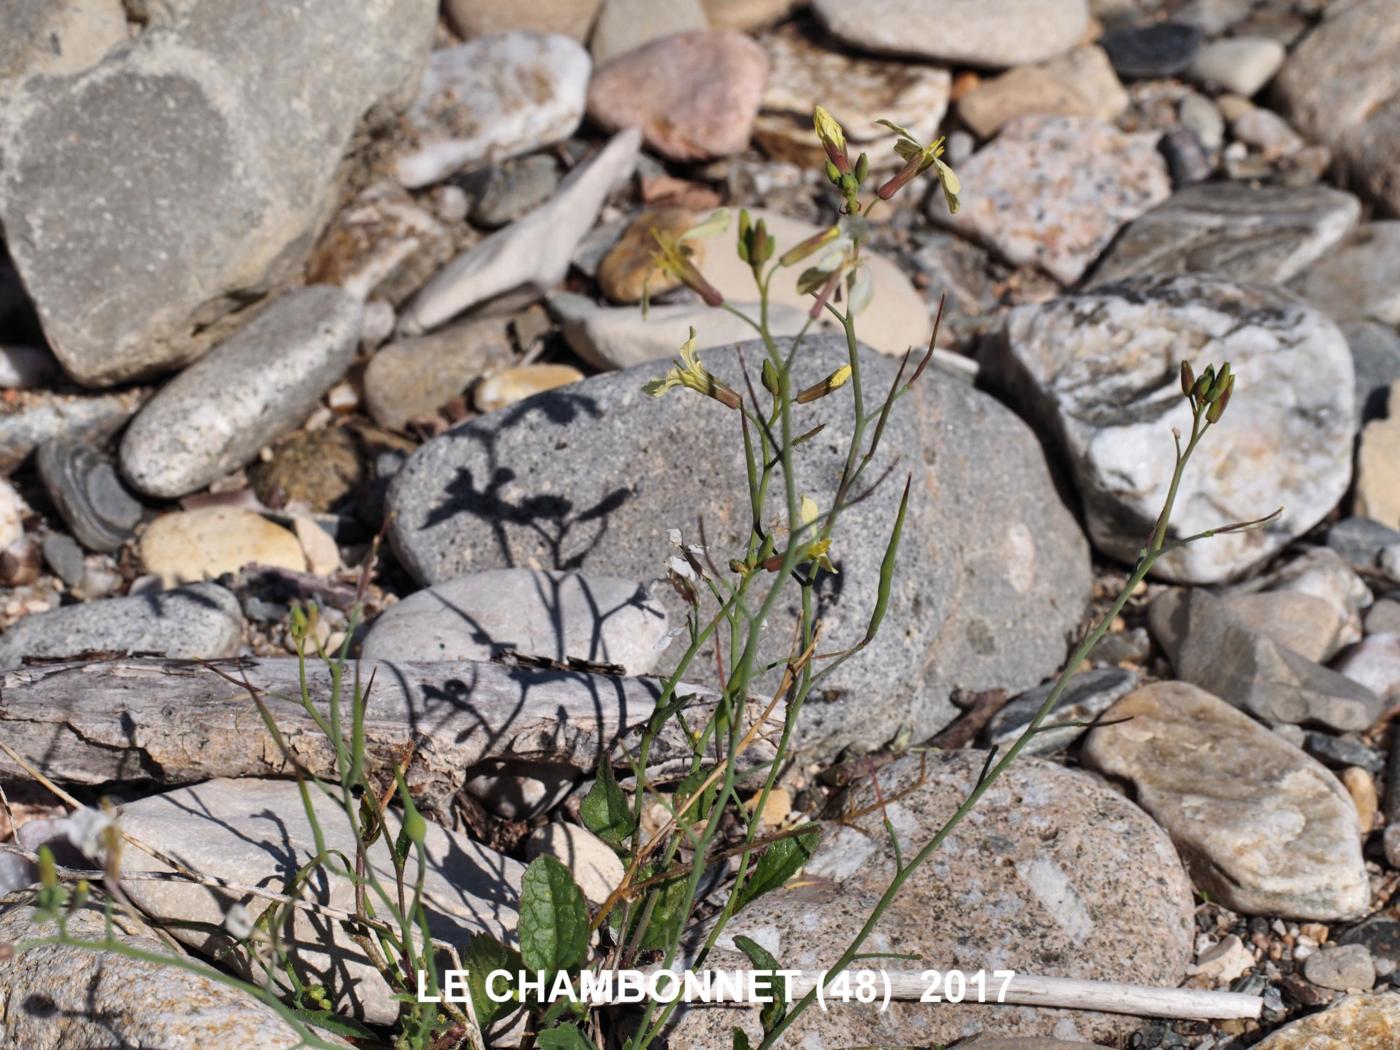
(238, 922)
(84, 830)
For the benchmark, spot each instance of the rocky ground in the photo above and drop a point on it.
(277, 280)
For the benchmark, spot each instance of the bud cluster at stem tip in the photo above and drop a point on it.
(1210, 392)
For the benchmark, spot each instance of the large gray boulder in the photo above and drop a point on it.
(1100, 371)
(1054, 874)
(992, 572)
(148, 200)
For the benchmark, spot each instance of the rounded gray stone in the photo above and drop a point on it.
(1053, 874)
(555, 615)
(992, 570)
(202, 621)
(250, 390)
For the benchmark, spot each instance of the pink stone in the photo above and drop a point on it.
(693, 94)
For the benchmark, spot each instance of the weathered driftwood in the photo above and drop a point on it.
(176, 721)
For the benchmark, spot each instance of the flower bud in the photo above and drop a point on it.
(833, 173)
(862, 167)
(1217, 386)
(1188, 378)
(1217, 409)
(810, 245)
(769, 375)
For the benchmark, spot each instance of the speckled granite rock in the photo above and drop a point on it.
(1054, 191)
(1100, 370)
(1358, 1022)
(1265, 829)
(588, 478)
(1232, 229)
(258, 385)
(104, 999)
(1053, 874)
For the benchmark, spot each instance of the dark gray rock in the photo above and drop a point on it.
(1055, 873)
(1088, 695)
(1160, 49)
(64, 557)
(1246, 233)
(84, 486)
(202, 621)
(264, 381)
(1338, 752)
(992, 571)
(203, 156)
(1381, 937)
(1375, 355)
(1361, 541)
(1100, 372)
(1187, 160)
(504, 192)
(1211, 648)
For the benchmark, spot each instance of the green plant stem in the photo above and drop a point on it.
(902, 875)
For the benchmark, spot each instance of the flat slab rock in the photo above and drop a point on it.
(1100, 370)
(201, 156)
(1212, 646)
(104, 999)
(1265, 829)
(1052, 874)
(256, 832)
(1052, 191)
(1267, 234)
(592, 478)
(555, 615)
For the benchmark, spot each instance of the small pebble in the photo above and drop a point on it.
(1362, 788)
(516, 384)
(1344, 968)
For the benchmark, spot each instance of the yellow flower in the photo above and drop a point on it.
(691, 373)
(673, 257)
(919, 158)
(817, 550)
(832, 138)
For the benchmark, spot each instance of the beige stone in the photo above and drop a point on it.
(516, 384)
(193, 545)
(1305, 623)
(1378, 467)
(1081, 83)
(474, 18)
(897, 318)
(1362, 789)
(748, 15)
(630, 267)
(1265, 829)
(412, 378)
(322, 554)
(596, 869)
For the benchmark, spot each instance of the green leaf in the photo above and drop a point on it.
(778, 864)
(698, 812)
(772, 1013)
(565, 1037)
(741, 1041)
(334, 1023)
(667, 914)
(605, 811)
(553, 918)
(483, 955)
